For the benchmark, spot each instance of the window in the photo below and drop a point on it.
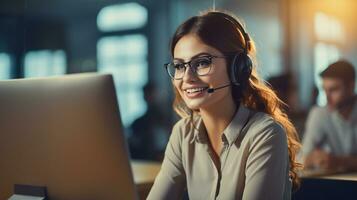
(44, 63)
(125, 56)
(5, 66)
(329, 36)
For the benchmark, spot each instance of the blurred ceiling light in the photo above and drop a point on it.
(122, 17)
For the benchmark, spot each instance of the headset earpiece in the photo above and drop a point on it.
(241, 66)
(241, 69)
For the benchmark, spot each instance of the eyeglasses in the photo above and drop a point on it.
(201, 66)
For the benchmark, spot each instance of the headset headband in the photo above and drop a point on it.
(236, 23)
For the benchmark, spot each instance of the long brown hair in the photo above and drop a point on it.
(217, 30)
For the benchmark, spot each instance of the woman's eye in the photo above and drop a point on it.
(179, 66)
(202, 63)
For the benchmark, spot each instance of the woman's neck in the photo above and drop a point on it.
(217, 118)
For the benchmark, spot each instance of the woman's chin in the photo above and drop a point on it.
(194, 105)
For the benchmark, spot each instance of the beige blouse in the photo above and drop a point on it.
(254, 161)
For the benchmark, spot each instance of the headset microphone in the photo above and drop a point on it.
(211, 90)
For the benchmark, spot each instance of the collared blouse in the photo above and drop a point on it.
(254, 161)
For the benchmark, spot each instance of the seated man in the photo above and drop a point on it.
(330, 139)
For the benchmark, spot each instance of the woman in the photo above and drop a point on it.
(233, 141)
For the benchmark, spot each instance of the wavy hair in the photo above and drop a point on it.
(216, 29)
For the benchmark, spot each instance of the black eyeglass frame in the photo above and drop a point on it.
(189, 63)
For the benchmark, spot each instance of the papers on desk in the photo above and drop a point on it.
(25, 197)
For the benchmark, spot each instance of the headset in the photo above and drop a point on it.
(241, 66)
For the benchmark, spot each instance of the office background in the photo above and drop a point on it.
(130, 39)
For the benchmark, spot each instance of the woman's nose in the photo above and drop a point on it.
(189, 74)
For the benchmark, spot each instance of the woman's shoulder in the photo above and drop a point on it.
(263, 120)
(262, 125)
(184, 124)
(186, 127)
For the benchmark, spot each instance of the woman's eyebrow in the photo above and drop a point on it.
(193, 57)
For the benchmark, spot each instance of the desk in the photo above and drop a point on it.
(144, 175)
(330, 186)
(352, 176)
(326, 174)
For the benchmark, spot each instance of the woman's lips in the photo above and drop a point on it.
(195, 92)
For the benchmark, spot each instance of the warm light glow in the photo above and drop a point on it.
(328, 27)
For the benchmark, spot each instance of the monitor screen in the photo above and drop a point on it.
(64, 133)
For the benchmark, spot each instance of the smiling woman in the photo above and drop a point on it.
(233, 141)
(193, 88)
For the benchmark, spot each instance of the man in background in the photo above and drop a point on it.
(151, 131)
(330, 139)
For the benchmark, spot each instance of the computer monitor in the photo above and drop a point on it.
(64, 133)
